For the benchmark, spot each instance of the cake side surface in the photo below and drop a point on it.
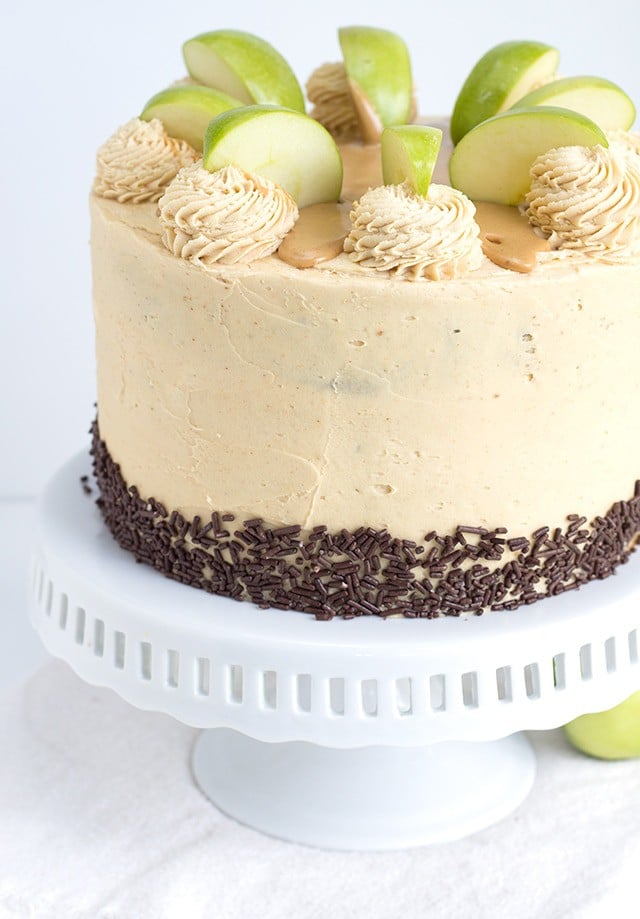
(336, 398)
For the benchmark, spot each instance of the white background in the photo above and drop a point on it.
(72, 72)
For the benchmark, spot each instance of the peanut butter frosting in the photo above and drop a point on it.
(335, 395)
(394, 230)
(587, 199)
(328, 89)
(225, 217)
(630, 140)
(137, 162)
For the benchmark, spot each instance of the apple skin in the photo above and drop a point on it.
(378, 62)
(614, 734)
(492, 161)
(409, 154)
(243, 66)
(600, 100)
(185, 111)
(501, 76)
(290, 148)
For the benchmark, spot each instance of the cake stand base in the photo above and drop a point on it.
(360, 734)
(370, 798)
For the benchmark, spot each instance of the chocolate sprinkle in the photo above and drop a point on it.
(367, 572)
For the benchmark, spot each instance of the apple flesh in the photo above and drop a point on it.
(614, 734)
(409, 154)
(600, 100)
(379, 69)
(243, 66)
(502, 76)
(185, 111)
(289, 148)
(492, 161)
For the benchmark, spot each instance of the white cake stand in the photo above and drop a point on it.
(361, 734)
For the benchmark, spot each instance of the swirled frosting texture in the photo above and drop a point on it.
(395, 230)
(588, 199)
(328, 90)
(226, 216)
(630, 140)
(137, 162)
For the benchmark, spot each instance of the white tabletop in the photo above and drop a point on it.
(21, 652)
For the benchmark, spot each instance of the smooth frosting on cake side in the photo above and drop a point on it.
(332, 396)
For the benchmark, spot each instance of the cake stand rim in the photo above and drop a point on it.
(70, 533)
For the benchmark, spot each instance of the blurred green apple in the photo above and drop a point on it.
(243, 66)
(492, 161)
(502, 76)
(614, 734)
(409, 154)
(186, 110)
(289, 148)
(600, 100)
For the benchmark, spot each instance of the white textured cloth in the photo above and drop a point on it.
(99, 818)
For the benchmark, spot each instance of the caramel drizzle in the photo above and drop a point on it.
(507, 237)
(317, 236)
(319, 233)
(362, 165)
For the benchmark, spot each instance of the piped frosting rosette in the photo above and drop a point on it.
(630, 140)
(227, 216)
(328, 90)
(138, 162)
(587, 199)
(397, 231)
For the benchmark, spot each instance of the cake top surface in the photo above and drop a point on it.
(531, 171)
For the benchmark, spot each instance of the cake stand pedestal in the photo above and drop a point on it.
(360, 734)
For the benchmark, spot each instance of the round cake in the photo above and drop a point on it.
(375, 434)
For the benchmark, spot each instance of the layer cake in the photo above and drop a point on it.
(343, 440)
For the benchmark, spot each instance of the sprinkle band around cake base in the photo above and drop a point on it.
(367, 571)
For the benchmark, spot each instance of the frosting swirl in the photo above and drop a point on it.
(226, 216)
(395, 230)
(137, 162)
(328, 90)
(588, 199)
(630, 140)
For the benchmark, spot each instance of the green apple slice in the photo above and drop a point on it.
(614, 734)
(492, 161)
(285, 146)
(409, 154)
(599, 99)
(243, 66)
(185, 111)
(379, 72)
(501, 77)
